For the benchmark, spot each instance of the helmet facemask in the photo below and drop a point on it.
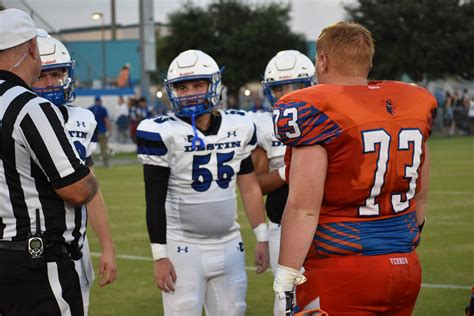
(63, 91)
(196, 104)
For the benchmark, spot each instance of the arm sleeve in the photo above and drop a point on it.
(156, 187)
(302, 124)
(47, 140)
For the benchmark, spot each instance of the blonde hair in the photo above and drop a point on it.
(349, 47)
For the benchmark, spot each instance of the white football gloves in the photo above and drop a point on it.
(284, 286)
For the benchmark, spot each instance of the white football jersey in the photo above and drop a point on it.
(81, 125)
(274, 149)
(201, 202)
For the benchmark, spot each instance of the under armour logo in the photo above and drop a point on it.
(183, 249)
(229, 134)
(81, 123)
(240, 247)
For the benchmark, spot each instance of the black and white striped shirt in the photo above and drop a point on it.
(36, 157)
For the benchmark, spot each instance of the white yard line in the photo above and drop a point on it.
(441, 192)
(433, 286)
(446, 286)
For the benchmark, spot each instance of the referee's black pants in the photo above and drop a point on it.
(52, 289)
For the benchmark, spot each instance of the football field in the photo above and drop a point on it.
(446, 250)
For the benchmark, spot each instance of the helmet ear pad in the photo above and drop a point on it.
(287, 67)
(194, 65)
(54, 55)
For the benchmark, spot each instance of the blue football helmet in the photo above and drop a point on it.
(194, 65)
(54, 55)
(287, 67)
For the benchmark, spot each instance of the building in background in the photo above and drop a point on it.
(85, 45)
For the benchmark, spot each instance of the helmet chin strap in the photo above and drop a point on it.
(196, 137)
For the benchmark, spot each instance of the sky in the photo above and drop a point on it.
(307, 16)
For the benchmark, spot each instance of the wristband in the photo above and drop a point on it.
(158, 251)
(286, 278)
(282, 173)
(261, 232)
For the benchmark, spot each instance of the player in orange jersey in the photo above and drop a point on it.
(358, 170)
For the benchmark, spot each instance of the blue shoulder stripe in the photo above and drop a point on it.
(149, 143)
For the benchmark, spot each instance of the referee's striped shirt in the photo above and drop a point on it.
(36, 157)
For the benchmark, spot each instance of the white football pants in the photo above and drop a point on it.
(274, 232)
(85, 271)
(210, 275)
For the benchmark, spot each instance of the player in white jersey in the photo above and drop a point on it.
(287, 71)
(56, 84)
(193, 160)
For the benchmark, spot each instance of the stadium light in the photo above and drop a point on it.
(247, 92)
(159, 94)
(100, 16)
(97, 15)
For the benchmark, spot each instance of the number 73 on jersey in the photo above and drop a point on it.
(378, 142)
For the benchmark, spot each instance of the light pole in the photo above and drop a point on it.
(100, 16)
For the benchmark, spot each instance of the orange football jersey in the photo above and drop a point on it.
(375, 138)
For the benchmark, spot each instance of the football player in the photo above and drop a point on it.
(287, 71)
(193, 160)
(358, 168)
(56, 84)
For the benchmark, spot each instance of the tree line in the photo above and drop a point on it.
(425, 39)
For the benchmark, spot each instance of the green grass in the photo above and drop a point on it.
(446, 251)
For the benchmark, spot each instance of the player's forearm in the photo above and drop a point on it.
(98, 219)
(270, 181)
(301, 215)
(251, 198)
(254, 210)
(298, 227)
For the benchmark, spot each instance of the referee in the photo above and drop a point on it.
(41, 177)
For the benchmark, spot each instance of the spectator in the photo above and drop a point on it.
(449, 125)
(460, 113)
(123, 80)
(143, 111)
(471, 117)
(440, 96)
(121, 112)
(103, 128)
